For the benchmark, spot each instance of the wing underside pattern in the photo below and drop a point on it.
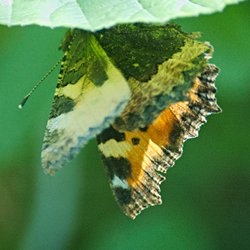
(142, 90)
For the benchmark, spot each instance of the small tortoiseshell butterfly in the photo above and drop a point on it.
(142, 90)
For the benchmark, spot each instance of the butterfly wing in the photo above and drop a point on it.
(90, 93)
(134, 160)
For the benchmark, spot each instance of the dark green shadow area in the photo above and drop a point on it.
(206, 202)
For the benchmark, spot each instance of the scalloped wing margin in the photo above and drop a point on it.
(135, 160)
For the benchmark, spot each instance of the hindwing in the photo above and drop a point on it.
(135, 160)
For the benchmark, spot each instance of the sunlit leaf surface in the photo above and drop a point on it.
(97, 14)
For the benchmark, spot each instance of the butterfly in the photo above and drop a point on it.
(141, 90)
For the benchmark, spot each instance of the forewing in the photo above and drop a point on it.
(90, 93)
(134, 160)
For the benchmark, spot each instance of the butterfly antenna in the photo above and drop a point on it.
(25, 99)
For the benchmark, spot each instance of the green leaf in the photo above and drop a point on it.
(97, 14)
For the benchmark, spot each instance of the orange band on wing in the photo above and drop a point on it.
(150, 144)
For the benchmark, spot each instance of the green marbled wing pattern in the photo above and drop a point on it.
(160, 64)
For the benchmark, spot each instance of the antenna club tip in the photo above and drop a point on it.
(20, 106)
(25, 99)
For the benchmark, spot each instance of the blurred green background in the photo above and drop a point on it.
(206, 198)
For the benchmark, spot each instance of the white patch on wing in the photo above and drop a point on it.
(117, 182)
(96, 107)
(93, 105)
(112, 148)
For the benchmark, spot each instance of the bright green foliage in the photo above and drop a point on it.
(97, 14)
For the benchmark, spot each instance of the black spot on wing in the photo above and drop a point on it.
(110, 133)
(135, 141)
(123, 196)
(119, 167)
(143, 129)
(61, 105)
